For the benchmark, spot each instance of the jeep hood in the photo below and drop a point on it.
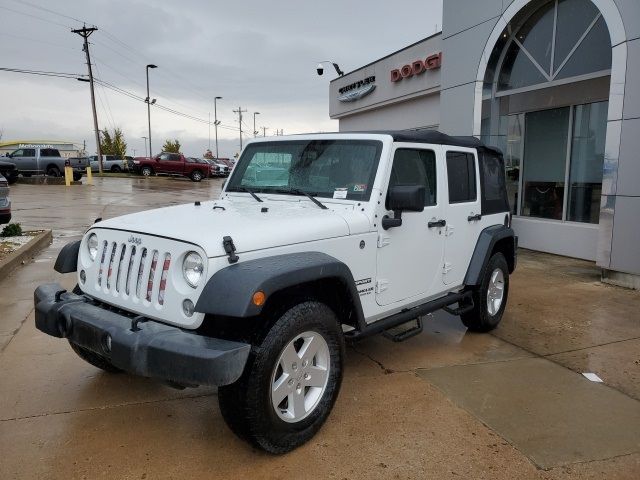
(284, 223)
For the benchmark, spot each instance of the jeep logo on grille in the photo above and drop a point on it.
(136, 240)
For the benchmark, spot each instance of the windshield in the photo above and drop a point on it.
(342, 169)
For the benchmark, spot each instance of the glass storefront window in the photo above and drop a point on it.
(545, 158)
(587, 158)
(513, 157)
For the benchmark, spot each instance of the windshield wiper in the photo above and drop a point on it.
(297, 191)
(253, 194)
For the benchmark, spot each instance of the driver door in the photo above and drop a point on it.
(409, 260)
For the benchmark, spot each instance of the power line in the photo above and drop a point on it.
(44, 9)
(43, 73)
(34, 16)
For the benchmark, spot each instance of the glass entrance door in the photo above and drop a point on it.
(563, 155)
(544, 165)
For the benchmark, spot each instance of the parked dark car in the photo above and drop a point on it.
(5, 201)
(9, 171)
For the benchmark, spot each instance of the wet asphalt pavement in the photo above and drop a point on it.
(444, 404)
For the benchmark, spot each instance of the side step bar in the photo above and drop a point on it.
(464, 300)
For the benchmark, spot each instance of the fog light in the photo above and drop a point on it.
(188, 307)
(106, 341)
(83, 276)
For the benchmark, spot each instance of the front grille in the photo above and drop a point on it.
(126, 270)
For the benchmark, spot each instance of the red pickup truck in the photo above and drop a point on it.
(172, 164)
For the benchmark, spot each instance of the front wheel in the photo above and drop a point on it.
(196, 175)
(490, 298)
(290, 382)
(146, 171)
(116, 169)
(77, 176)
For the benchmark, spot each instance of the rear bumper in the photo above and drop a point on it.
(152, 349)
(5, 216)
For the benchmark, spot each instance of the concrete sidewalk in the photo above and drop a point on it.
(444, 404)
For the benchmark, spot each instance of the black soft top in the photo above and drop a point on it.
(434, 136)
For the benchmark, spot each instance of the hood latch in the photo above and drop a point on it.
(230, 249)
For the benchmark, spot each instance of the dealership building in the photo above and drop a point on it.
(555, 84)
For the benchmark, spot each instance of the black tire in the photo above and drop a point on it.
(480, 318)
(53, 171)
(94, 359)
(246, 404)
(116, 169)
(11, 179)
(77, 177)
(196, 176)
(146, 171)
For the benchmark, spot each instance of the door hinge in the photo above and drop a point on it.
(382, 285)
(383, 241)
(446, 268)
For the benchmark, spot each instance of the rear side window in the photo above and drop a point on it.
(49, 152)
(415, 167)
(461, 175)
(494, 190)
(174, 157)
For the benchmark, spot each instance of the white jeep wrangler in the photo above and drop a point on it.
(315, 239)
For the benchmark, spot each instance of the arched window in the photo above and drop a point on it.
(560, 40)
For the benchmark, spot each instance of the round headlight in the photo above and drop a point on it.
(92, 246)
(192, 269)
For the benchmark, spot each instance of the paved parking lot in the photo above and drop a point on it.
(444, 404)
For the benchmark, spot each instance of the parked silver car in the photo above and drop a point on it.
(5, 201)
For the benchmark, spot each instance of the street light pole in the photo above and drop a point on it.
(145, 145)
(255, 132)
(148, 100)
(215, 120)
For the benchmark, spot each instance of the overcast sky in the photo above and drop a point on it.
(259, 55)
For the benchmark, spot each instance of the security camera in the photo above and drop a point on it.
(320, 69)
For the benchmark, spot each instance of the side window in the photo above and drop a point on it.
(29, 152)
(492, 180)
(174, 157)
(415, 167)
(461, 174)
(18, 153)
(164, 157)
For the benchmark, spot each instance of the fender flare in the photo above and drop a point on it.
(67, 260)
(229, 291)
(484, 246)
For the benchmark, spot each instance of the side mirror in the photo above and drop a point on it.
(401, 198)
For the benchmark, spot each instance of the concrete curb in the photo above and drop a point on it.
(44, 180)
(27, 251)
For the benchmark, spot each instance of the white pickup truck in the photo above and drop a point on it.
(45, 161)
(315, 240)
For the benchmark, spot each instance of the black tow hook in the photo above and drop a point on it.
(58, 296)
(136, 321)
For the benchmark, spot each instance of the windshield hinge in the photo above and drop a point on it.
(230, 249)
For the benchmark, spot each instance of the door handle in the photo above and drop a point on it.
(437, 223)
(472, 218)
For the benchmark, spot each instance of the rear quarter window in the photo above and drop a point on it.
(461, 177)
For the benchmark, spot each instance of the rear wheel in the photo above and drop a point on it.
(290, 382)
(196, 175)
(116, 169)
(77, 176)
(490, 298)
(146, 171)
(94, 359)
(53, 171)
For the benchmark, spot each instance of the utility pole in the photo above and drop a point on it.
(215, 120)
(85, 32)
(149, 103)
(145, 145)
(240, 112)
(264, 131)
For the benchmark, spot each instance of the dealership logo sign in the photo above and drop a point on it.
(418, 67)
(357, 90)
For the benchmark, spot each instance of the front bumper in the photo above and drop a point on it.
(150, 349)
